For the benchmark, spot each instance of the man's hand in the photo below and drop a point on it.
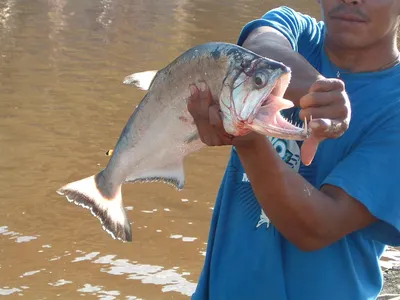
(207, 117)
(328, 107)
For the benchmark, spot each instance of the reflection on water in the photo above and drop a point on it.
(6, 291)
(169, 280)
(30, 273)
(62, 106)
(17, 237)
(60, 282)
(105, 17)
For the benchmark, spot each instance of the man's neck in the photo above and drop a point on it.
(368, 59)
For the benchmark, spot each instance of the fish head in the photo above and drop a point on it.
(252, 98)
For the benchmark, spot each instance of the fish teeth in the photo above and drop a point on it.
(305, 126)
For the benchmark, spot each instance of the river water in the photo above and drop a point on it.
(62, 106)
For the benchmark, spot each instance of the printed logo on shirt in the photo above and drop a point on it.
(263, 219)
(289, 151)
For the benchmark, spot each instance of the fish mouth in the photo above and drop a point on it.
(266, 118)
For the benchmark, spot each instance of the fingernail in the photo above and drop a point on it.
(192, 89)
(314, 125)
(202, 86)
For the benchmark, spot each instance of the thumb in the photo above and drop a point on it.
(308, 150)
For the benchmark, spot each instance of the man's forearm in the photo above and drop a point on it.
(268, 42)
(309, 218)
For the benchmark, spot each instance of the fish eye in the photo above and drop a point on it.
(260, 79)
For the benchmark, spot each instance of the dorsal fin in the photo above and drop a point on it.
(141, 80)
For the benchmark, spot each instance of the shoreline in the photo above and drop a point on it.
(390, 263)
(391, 288)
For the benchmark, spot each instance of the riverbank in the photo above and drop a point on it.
(390, 263)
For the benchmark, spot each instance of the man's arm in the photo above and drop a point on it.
(310, 218)
(269, 42)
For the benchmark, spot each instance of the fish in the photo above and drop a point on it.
(161, 132)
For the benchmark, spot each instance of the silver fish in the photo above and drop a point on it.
(161, 132)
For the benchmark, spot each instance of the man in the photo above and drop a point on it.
(277, 234)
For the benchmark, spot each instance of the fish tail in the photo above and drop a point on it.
(108, 207)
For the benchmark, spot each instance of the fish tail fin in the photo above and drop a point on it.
(141, 80)
(89, 194)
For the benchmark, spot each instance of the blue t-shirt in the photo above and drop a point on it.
(248, 258)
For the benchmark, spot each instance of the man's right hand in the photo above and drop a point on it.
(206, 115)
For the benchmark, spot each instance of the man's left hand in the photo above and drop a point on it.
(328, 107)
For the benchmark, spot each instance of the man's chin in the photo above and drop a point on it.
(348, 39)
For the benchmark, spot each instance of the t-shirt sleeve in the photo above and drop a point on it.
(303, 32)
(370, 174)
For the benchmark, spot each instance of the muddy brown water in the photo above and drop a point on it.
(62, 106)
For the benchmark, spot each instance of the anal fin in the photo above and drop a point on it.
(172, 174)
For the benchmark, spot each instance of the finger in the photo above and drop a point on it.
(205, 97)
(217, 123)
(194, 92)
(327, 85)
(223, 141)
(199, 101)
(217, 139)
(337, 111)
(206, 115)
(324, 98)
(309, 149)
(228, 139)
(198, 107)
(214, 115)
(318, 99)
(192, 103)
(326, 128)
